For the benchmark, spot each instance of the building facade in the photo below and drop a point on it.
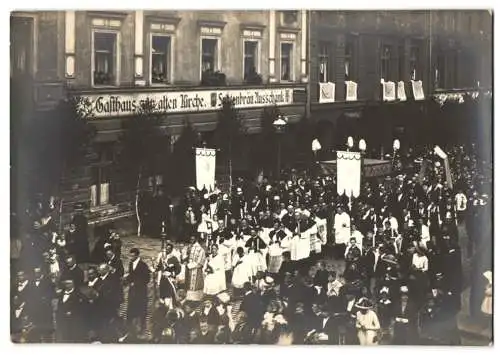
(370, 73)
(183, 61)
(388, 55)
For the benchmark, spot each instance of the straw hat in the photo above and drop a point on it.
(364, 303)
(391, 259)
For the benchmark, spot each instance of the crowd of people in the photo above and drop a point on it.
(274, 262)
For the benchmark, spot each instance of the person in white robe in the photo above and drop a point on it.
(241, 269)
(207, 225)
(342, 226)
(215, 277)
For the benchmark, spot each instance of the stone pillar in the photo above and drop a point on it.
(139, 49)
(303, 46)
(69, 44)
(272, 46)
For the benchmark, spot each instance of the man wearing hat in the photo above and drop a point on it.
(367, 322)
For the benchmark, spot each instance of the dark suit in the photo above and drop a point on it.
(321, 278)
(106, 301)
(75, 274)
(253, 307)
(116, 276)
(405, 324)
(330, 328)
(39, 306)
(70, 325)
(138, 280)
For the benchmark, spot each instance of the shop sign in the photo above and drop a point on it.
(128, 104)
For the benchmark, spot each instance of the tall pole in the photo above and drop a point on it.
(231, 163)
(279, 155)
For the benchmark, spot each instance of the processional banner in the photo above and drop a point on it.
(348, 173)
(205, 168)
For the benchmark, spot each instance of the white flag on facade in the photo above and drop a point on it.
(418, 90)
(351, 91)
(388, 91)
(326, 92)
(401, 91)
(205, 168)
(348, 173)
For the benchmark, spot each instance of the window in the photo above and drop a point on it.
(349, 59)
(414, 62)
(101, 176)
(323, 63)
(22, 45)
(160, 59)
(385, 60)
(440, 72)
(452, 69)
(401, 63)
(286, 62)
(105, 58)
(209, 54)
(250, 59)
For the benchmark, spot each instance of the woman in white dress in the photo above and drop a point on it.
(487, 305)
(367, 323)
(215, 279)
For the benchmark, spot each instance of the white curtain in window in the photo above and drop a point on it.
(401, 91)
(105, 193)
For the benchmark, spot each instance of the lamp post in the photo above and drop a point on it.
(362, 149)
(350, 143)
(315, 147)
(279, 124)
(396, 145)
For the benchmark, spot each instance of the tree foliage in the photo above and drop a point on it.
(183, 159)
(141, 144)
(48, 144)
(267, 139)
(229, 130)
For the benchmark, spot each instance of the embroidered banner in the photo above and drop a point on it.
(348, 173)
(205, 168)
(351, 91)
(326, 92)
(401, 91)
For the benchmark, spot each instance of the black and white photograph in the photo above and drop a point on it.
(252, 176)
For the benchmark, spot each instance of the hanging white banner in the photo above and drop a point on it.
(326, 92)
(351, 92)
(418, 90)
(205, 168)
(388, 91)
(348, 173)
(401, 91)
